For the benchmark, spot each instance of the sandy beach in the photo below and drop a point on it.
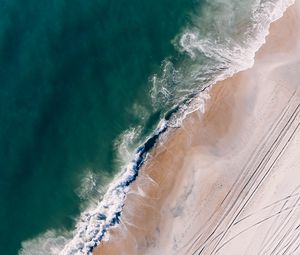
(228, 180)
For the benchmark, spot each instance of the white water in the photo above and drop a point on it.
(224, 44)
(221, 41)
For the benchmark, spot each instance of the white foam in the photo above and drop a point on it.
(93, 186)
(126, 144)
(223, 42)
(197, 104)
(50, 243)
(93, 222)
(88, 184)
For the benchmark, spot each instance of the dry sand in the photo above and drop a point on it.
(227, 181)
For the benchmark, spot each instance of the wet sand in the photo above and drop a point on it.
(228, 180)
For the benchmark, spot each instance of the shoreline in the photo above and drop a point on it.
(218, 132)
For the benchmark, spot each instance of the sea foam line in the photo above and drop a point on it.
(213, 55)
(94, 224)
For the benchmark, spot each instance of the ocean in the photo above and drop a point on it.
(87, 87)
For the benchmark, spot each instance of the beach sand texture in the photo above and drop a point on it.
(228, 180)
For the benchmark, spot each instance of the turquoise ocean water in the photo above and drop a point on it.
(73, 77)
(84, 82)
